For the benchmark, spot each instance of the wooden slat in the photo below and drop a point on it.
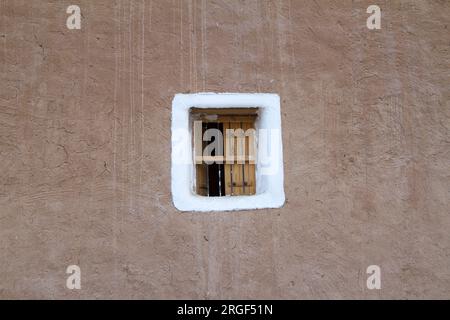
(245, 126)
(225, 111)
(210, 159)
(251, 168)
(198, 141)
(217, 159)
(201, 187)
(238, 179)
(230, 118)
(227, 167)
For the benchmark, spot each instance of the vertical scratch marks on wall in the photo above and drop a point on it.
(181, 46)
(5, 35)
(192, 53)
(268, 13)
(194, 45)
(258, 39)
(237, 50)
(124, 144)
(291, 40)
(131, 154)
(142, 98)
(278, 26)
(116, 73)
(190, 45)
(204, 62)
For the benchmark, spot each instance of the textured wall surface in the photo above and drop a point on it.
(85, 148)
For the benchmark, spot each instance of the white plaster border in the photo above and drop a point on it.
(269, 174)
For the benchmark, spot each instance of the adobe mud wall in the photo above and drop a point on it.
(85, 149)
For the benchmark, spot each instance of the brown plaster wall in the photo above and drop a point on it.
(85, 149)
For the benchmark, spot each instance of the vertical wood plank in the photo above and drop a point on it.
(246, 165)
(227, 166)
(237, 168)
(201, 179)
(251, 164)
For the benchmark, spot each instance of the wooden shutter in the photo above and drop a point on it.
(239, 172)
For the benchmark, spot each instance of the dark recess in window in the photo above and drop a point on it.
(215, 177)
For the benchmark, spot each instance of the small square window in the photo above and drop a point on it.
(226, 152)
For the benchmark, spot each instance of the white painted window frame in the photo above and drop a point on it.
(269, 183)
